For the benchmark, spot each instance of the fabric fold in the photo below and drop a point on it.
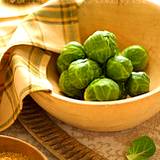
(25, 50)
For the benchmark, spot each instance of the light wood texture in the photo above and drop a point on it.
(133, 23)
(10, 144)
(13, 11)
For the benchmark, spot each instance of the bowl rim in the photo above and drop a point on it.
(15, 9)
(25, 143)
(103, 103)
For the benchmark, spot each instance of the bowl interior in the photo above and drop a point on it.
(133, 23)
(9, 144)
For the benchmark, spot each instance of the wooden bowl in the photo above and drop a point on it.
(133, 23)
(10, 144)
(15, 11)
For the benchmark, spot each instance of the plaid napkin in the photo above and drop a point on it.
(26, 47)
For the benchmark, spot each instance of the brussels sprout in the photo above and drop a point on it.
(138, 83)
(102, 89)
(100, 46)
(123, 91)
(66, 86)
(119, 68)
(138, 56)
(82, 72)
(71, 52)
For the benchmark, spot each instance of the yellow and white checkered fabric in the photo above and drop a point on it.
(25, 50)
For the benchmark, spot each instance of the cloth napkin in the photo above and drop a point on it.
(26, 46)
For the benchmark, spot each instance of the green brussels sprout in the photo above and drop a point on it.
(100, 46)
(138, 83)
(82, 72)
(66, 86)
(71, 52)
(102, 89)
(119, 68)
(123, 91)
(138, 56)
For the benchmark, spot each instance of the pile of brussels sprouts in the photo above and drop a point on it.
(98, 71)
